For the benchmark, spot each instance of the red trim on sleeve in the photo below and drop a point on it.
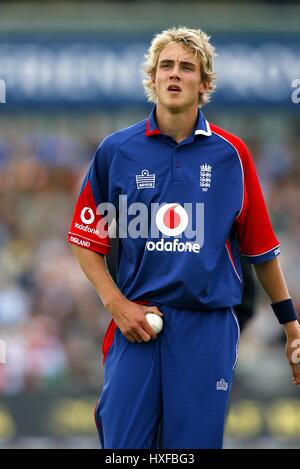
(254, 230)
(86, 229)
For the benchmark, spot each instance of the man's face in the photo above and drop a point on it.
(177, 79)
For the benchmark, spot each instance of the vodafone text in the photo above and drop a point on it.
(172, 246)
(86, 228)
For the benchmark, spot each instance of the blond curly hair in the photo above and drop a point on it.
(198, 42)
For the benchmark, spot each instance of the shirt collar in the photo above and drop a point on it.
(202, 126)
(151, 126)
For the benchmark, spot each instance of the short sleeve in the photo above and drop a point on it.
(255, 234)
(88, 228)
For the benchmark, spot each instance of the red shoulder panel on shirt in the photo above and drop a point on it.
(254, 230)
(87, 230)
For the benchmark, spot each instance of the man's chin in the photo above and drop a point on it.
(174, 105)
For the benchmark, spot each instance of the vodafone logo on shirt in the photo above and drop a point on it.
(172, 220)
(87, 216)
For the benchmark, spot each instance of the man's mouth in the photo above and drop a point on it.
(174, 88)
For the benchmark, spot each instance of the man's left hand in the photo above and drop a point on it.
(292, 349)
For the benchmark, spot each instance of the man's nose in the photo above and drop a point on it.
(175, 73)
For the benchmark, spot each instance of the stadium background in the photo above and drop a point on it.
(72, 76)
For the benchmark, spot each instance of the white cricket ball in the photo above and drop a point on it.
(155, 322)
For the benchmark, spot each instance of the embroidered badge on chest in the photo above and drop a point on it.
(205, 176)
(145, 180)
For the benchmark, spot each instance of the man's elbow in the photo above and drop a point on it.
(73, 248)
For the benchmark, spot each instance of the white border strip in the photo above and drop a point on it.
(221, 136)
(238, 340)
(91, 240)
(206, 132)
(266, 252)
(233, 264)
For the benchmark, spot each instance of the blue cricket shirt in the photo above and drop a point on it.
(186, 212)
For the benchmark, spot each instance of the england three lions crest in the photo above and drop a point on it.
(205, 177)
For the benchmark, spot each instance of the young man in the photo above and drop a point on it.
(192, 204)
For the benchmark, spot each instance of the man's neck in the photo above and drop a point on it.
(178, 125)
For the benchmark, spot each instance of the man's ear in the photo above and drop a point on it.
(204, 86)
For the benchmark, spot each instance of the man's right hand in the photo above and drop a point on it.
(128, 316)
(130, 319)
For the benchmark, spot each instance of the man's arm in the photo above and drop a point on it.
(272, 280)
(129, 316)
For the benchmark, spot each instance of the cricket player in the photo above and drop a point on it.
(188, 203)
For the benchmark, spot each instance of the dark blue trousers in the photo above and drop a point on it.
(171, 392)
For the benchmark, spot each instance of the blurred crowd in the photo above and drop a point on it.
(50, 317)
